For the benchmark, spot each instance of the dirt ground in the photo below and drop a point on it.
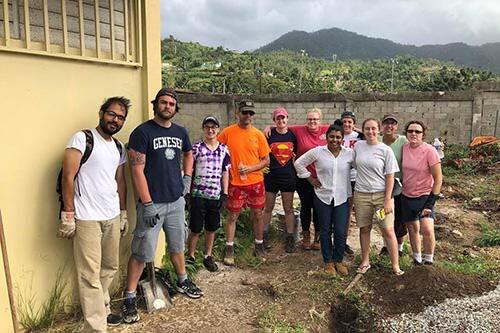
(289, 293)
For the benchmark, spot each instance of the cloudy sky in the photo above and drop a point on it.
(249, 24)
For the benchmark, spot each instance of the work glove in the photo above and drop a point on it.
(150, 214)
(186, 180)
(187, 200)
(123, 223)
(67, 228)
(222, 201)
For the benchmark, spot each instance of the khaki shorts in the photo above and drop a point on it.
(365, 205)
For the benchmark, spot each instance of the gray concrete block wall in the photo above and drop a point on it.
(456, 116)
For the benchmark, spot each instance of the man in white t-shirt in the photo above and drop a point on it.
(94, 210)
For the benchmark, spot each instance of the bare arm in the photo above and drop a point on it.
(225, 182)
(71, 164)
(137, 163)
(389, 184)
(437, 175)
(264, 161)
(187, 163)
(122, 186)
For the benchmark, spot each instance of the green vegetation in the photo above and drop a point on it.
(269, 323)
(475, 265)
(198, 68)
(34, 318)
(490, 236)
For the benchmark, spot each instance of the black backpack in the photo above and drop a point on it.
(89, 146)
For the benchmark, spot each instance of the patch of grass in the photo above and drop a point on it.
(33, 317)
(490, 236)
(475, 265)
(268, 322)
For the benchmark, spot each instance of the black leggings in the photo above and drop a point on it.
(306, 195)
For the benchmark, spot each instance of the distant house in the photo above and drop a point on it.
(59, 59)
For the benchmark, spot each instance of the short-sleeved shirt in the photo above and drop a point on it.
(283, 148)
(350, 141)
(208, 168)
(307, 140)
(373, 163)
(417, 162)
(247, 146)
(397, 149)
(96, 190)
(163, 148)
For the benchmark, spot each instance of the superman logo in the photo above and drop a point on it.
(282, 151)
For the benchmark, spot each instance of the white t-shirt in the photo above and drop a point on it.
(96, 195)
(372, 163)
(350, 141)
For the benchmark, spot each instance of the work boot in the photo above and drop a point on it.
(341, 268)
(306, 240)
(259, 251)
(330, 269)
(229, 255)
(315, 245)
(290, 243)
(267, 243)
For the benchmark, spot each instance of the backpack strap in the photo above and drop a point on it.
(89, 145)
(118, 146)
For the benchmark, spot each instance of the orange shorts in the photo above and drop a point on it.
(251, 196)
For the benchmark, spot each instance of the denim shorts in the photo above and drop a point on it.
(172, 221)
(412, 207)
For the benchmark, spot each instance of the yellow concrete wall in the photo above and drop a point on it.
(43, 101)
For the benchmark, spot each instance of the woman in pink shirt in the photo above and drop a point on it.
(422, 180)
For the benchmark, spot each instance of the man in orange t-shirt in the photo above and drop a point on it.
(249, 154)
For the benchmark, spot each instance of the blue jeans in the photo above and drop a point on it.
(332, 220)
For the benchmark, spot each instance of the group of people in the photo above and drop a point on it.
(333, 168)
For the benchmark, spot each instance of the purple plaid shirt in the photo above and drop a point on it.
(208, 168)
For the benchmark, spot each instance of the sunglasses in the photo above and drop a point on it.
(414, 131)
(312, 119)
(114, 115)
(246, 113)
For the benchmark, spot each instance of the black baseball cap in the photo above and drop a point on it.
(390, 116)
(348, 114)
(209, 119)
(165, 92)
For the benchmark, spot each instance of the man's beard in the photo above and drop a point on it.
(109, 131)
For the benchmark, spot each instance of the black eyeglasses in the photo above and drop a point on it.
(246, 113)
(114, 115)
(414, 131)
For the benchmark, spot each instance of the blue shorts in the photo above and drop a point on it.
(412, 207)
(172, 221)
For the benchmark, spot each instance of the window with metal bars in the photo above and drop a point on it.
(92, 30)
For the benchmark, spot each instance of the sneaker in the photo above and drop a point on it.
(330, 269)
(114, 319)
(426, 262)
(341, 268)
(189, 289)
(267, 243)
(129, 310)
(315, 245)
(417, 263)
(384, 251)
(259, 251)
(190, 260)
(290, 243)
(306, 240)
(229, 255)
(348, 249)
(210, 264)
(400, 253)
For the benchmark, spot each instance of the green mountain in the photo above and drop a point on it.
(338, 44)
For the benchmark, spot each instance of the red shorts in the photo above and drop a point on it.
(252, 196)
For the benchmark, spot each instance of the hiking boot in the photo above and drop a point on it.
(259, 251)
(306, 240)
(267, 243)
(190, 260)
(229, 255)
(290, 243)
(129, 310)
(189, 289)
(384, 251)
(315, 245)
(114, 319)
(330, 269)
(210, 264)
(348, 249)
(341, 268)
